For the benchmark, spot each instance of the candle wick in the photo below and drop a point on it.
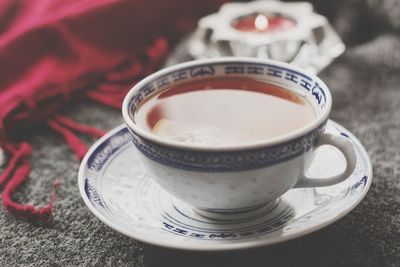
(261, 22)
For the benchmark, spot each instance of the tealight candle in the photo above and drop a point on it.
(290, 32)
(263, 23)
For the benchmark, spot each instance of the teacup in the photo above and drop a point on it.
(237, 180)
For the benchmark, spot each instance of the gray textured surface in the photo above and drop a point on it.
(366, 92)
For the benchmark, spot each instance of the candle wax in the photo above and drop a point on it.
(262, 23)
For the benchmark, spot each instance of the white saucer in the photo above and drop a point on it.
(117, 190)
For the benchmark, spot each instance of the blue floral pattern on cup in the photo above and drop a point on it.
(220, 161)
(268, 72)
(241, 160)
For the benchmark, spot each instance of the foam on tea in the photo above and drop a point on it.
(224, 111)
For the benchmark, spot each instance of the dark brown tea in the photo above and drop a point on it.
(219, 111)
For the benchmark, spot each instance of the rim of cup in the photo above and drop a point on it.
(145, 134)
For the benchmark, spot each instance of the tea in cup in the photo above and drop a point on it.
(229, 136)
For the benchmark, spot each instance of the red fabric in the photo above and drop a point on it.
(79, 127)
(52, 51)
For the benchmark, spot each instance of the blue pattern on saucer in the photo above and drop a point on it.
(122, 195)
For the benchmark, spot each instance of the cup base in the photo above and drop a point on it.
(236, 214)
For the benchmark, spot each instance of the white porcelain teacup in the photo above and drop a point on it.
(237, 180)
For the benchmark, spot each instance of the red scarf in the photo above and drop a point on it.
(52, 51)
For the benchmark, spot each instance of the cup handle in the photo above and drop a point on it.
(346, 147)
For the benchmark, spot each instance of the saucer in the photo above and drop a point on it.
(123, 196)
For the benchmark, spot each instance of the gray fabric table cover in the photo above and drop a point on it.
(366, 93)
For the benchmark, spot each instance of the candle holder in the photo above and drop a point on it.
(289, 32)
